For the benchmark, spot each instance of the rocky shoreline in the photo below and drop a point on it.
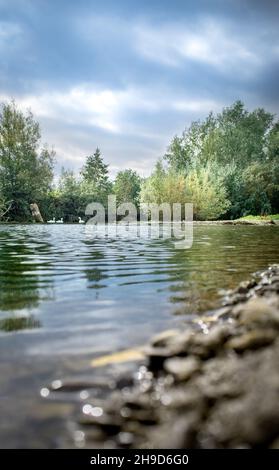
(215, 385)
(262, 222)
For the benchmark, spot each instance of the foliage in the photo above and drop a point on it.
(5, 207)
(201, 186)
(95, 171)
(245, 147)
(127, 186)
(207, 192)
(256, 218)
(25, 169)
(164, 185)
(94, 184)
(227, 165)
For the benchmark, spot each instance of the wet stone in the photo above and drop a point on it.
(111, 424)
(125, 439)
(222, 378)
(214, 385)
(162, 339)
(147, 417)
(252, 340)
(182, 368)
(182, 435)
(138, 402)
(216, 336)
(80, 384)
(175, 346)
(260, 311)
(206, 345)
(182, 397)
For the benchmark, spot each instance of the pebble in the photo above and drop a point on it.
(162, 339)
(214, 385)
(182, 368)
(252, 340)
(260, 311)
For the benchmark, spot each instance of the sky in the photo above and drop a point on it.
(127, 76)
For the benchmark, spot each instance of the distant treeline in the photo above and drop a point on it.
(227, 165)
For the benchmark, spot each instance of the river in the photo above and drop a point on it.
(66, 298)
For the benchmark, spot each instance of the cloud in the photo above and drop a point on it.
(128, 79)
(80, 104)
(128, 124)
(207, 41)
(109, 109)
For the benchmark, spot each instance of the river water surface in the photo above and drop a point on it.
(66, 298)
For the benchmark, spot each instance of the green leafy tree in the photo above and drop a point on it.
(203, 187)
(95, 171)
(127, 186)
(242, 135)
(68, 200)
(26, 170)
(5, 207)
(206, 190)
(165, 185)
(238, 142)
(95, 184)
(195, 146)
(68, 184)
(261, 190)
(233, 136)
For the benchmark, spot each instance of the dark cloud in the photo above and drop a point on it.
(128, 75)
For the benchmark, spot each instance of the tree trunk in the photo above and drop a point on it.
(36, 213)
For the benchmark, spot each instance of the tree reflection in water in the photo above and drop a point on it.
(19, 280)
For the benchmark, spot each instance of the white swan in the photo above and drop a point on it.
(80, 221)
(60, 221)
(52, 221)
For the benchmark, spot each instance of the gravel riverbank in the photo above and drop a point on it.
(215, 385)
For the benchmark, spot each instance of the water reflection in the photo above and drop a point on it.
(41, 264)
(19, 323)
(21, 258)
(94, 275)
(65, 299)
(221, 257)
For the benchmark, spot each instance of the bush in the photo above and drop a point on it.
(206, 190)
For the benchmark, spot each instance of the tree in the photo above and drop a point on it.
(238, 142)
(95, 185)
(195, 146)
(242, 135)
(25, 169)
(272, 153)
(207, 192)
(127, 186)
(95, 171)
(68, 184)
(165, 185)
(5, 207)
(203, 187)
(67, 201)
(261, 190)
(234, 183)
(233, 136)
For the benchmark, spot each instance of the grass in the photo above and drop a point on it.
(260, 217)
